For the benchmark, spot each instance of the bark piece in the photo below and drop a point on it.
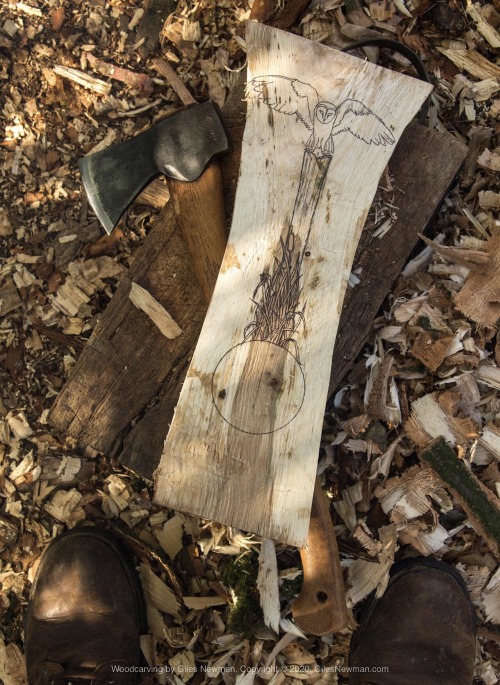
(269, 362)
(430, 351)
(9, 297)
(480, 505)
(143, 83)
(479, 299)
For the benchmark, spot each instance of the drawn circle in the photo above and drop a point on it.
(258, 387)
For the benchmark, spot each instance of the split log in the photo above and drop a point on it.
(258, 381)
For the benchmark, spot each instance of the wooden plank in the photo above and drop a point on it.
(258, 380)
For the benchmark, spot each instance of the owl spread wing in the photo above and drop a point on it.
(355, 117)
(287, 95)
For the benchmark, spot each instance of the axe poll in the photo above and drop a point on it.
(181, 147)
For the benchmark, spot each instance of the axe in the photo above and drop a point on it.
(180, 147)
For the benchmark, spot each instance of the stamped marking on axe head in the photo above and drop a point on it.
(180, 147)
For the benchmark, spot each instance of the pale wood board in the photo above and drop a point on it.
(243, 443)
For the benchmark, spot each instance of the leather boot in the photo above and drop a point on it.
(422, 630)
(86, 613)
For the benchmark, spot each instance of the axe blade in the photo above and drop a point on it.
(180, 147)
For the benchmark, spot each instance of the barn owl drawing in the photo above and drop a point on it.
(324, 119)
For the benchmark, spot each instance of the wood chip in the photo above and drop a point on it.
(491, 599)
(472, 62)
(429, 420)
(431, 351)
(490, 439)
(9, 297)
(156, 312)
(156, 592)
(267, 584)
(484, 28)
(63, 506)
(199, 603)
(83, 79)
(366, 576)
(409, 496)
(12, 664)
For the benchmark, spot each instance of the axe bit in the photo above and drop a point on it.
(180, 147)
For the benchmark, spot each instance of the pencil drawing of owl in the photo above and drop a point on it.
(324, 119)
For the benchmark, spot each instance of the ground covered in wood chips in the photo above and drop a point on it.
(77, 76)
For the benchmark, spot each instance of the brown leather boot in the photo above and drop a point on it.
(86, 613)
(422, 631)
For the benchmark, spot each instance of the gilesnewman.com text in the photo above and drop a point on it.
(181, 670)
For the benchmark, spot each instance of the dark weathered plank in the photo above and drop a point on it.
(127, 359)
(423, 166)
(422, 184)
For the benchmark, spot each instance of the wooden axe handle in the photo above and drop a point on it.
(321, 608)
(199, 205)
(199, 208)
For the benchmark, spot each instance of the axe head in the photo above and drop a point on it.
(180, 147)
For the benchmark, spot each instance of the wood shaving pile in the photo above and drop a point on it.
(76, 77)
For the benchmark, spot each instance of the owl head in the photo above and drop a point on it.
(325, 112)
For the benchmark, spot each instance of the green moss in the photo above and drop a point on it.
(241, 576)
(289, 589)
